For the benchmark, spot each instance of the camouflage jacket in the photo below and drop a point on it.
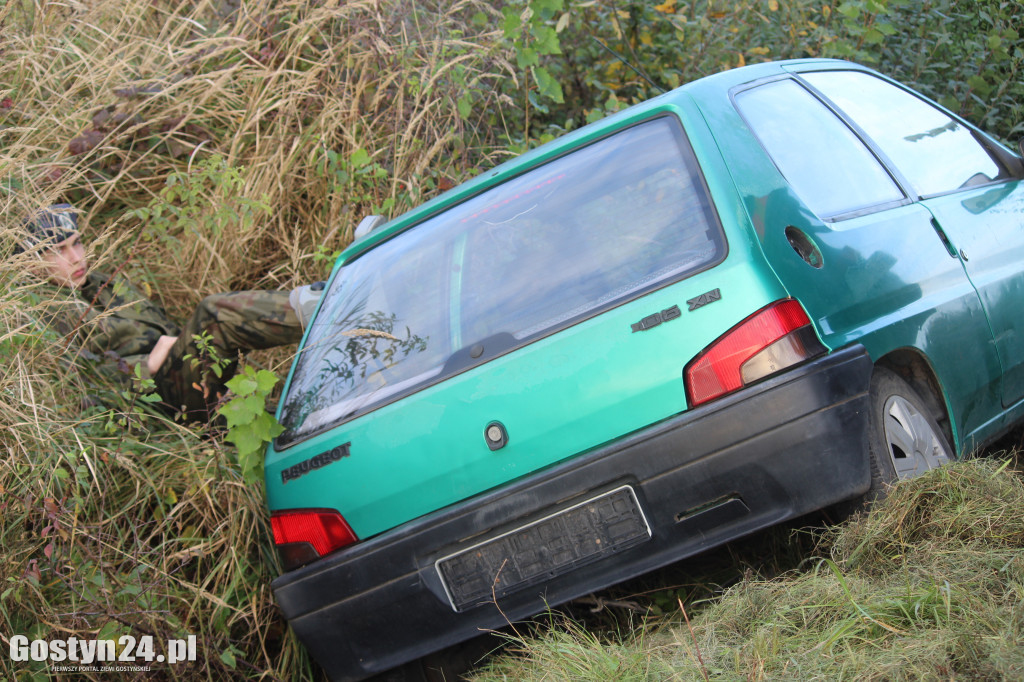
(110, 321)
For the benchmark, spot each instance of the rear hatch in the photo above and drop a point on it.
(555, 311)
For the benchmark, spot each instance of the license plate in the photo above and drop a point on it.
(544, 549)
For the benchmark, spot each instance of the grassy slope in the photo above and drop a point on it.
(928, 586)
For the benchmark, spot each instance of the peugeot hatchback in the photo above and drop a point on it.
(769, 291)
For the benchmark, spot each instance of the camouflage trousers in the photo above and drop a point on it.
(226, 324)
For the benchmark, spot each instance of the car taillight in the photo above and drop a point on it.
(305, 535)
(768, 341)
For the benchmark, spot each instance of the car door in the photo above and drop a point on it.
(964, 181)
(863, 257)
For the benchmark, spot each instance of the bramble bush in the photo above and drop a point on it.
(607, 55)
(969, 56)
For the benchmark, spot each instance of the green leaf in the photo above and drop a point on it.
(979, 84)
(244, 438)
(465, 107)
(527, 57)
(546, 8)
(547, 85)
(360, 157)
(511, 22)
(236, 413)
(547, 40)
(242, 385)
(256, 404)
(266, 427)
(265, 381)
(110, 630)
(850, 10)
(227, 657)
(873, 36)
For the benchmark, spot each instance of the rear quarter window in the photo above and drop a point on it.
(824, 161)
(549, 248)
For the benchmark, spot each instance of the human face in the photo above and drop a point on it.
(65, 263)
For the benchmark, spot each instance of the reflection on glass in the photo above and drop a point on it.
(544, 250)
(825, 162)
(933, 151)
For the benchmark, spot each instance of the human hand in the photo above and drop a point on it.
(159, 353)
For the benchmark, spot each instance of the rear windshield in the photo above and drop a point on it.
(585, 232)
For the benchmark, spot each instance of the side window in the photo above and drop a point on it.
(825, 162)
(933, 151)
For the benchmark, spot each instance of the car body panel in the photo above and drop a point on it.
(887, 279)
(919, 297)
(427, 450)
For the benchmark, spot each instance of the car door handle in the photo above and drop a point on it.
(950, 249)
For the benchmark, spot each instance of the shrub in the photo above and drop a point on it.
(968, 55)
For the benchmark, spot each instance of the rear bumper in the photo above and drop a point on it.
(790, 445)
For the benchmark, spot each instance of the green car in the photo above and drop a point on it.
(769, 291)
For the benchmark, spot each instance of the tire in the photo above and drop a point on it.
(904, 439)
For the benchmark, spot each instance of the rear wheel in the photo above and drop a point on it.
(904, 439)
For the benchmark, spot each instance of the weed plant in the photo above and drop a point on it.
(115, 521)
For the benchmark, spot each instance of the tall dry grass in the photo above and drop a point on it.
(115, 520)
(928, 586)
(108, 98)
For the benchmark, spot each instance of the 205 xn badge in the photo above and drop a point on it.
(323, 459)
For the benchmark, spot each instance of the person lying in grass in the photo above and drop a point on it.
(110, 321)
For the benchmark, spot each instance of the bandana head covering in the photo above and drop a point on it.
(52, 224)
